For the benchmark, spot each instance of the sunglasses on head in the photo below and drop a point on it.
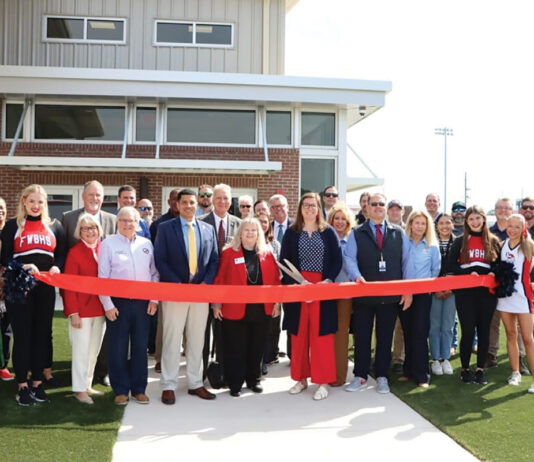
(377, 204)
(331, 195)
(527, 207)
(144, 208)
(206, 194)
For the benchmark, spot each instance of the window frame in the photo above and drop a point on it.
(133, 127)
(25, 126)
(291, 126)
(46, 39)
(194, 43)
(336, 124)
(318, 157)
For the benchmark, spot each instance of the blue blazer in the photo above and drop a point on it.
(332, 263)
(171, 257)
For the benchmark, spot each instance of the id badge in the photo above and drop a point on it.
(238, 261)
(382, 266)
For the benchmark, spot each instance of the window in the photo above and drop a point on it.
(318, 129)
(68, 122)
(81, 29)
(316, 174)
(175, 33)
(145, 124)
(211, 126)
(279, 127)
(13, 113)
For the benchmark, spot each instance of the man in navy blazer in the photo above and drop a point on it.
(185, 252)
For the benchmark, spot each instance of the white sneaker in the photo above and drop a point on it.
(436, 368)
(514, 379)
(531, 389)
(382, 385)
(447, 368)
(298, 387)
(357, 383)
(321, 393)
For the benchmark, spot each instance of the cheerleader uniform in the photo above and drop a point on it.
(44, 246)
(521, 300)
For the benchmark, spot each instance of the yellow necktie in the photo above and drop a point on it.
(192, 243)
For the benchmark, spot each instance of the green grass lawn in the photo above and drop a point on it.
(495, 422)
(62, 430)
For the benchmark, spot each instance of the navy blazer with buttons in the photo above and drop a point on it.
(171, 257)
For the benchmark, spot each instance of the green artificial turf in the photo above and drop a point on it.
(494, 422)
(62, 430)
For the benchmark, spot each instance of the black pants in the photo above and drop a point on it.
(363, 316)
(101, 367)
(475, 309)
(32, 324)
(271, 349)
(216, 326)
(415, 323)
(6, 337)
(244, 341)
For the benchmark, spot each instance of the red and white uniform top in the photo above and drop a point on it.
(521, 300)
(34, 238)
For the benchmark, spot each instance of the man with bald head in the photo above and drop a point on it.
(92, 196)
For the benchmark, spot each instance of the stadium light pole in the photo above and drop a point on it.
(444, 132)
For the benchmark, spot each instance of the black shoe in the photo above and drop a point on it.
(523, 369)
(104, 381)
(264, 370)
(52, 383)
(235, 394)
(281, 354)
(274, 361)
(467, 376)
(38, 394)
(491, 361)
(480, 378)
(256, 389)
(24, 397)
(398, 368)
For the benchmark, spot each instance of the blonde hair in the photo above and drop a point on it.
(261, 246)
(88, 219)
(21, 209)
(526, 243)
(349, 216)
(430, 232)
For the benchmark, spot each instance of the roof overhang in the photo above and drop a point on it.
(152, 165)
(359, 97)
(355, 184)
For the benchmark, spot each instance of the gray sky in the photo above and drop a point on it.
(461, 64)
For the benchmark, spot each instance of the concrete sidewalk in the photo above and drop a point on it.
(346, 426)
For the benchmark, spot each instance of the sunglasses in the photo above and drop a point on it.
(144, 208)
(205, 194)
(527, 207)
(245, 206)
(331, 195)
(377, 204)
(459, 209)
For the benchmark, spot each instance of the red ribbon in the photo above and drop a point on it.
(258, 294)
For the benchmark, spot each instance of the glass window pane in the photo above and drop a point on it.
(316, 174)
(64, 28)
(79, 122)
(318, 129)
(105, 30)
(13, 113)
(278, 127)
(110, 203)
(145, 124)
(169, 32)
(211, 126)
(214, 34)
(59, 203)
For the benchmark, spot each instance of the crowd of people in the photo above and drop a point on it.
(198, 241)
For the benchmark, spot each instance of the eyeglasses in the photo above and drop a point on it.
(144, 208)
(126, 221)
(527, 207)
(459, 209)
(245, 206)
(377, 204)
(278, 207)
(308, 206)
(331, 195)
(503, 207)
(86, 229)
(206, 194)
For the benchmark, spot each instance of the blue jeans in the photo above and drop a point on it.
(442, 317)
(131, 328)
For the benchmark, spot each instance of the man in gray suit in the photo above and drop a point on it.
(225, 228)
(92, 196)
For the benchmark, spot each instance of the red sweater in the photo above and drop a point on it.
(232, 273)
(81, 261)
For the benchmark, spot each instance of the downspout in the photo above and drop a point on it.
(263, 122)
(159, 129)
(27, 104)
(127, 121)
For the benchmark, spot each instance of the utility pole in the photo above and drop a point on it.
(444, 132)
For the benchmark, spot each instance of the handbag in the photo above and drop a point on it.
(214, 375)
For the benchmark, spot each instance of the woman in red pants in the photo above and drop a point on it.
(313, 248)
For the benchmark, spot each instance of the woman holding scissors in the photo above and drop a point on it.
(313, 255)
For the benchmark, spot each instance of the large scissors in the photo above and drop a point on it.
(291, 270)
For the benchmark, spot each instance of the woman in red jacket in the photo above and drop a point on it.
(85, 312)
(247, 261)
